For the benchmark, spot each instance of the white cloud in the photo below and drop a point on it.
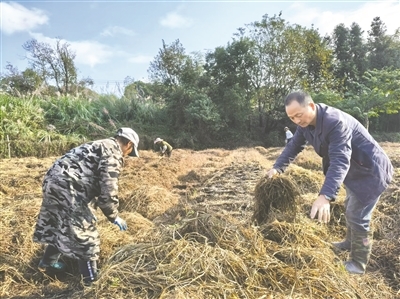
(326, 21)
(91, 52)
(43, 39)
(87, 52)
(140, 59)
(115, 30)
(15, 17)
(174, 20)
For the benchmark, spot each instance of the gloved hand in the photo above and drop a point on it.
(121, 223)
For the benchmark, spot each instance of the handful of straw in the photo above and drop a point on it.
(279, 192)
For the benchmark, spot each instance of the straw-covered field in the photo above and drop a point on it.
(201, 225)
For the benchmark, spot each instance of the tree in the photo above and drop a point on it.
(358, 52)
(229, 70)
(289, 57)
(317, 69)
(378, 94)
(202, 117)
(343, 63)
(138, 90)
(172, 67)
(20, 83)
(341, 50)
(53, 63)
(350, 53)
(384, 50)
(175, 77)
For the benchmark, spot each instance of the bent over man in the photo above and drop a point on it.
(87, 173)
(163, 147)
(351, 156)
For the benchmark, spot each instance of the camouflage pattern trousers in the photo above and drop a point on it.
(66, 221)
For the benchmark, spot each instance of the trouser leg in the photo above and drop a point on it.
(88, 270)
(358, 217)
(345, 245)
(51, 255)
(50, 260)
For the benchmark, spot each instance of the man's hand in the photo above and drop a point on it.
(321, 206)
(271, 173)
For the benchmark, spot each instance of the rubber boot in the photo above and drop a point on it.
(50, 261)
(361, 246)
(88, 270)
(344, 245)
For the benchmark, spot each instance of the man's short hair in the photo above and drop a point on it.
(301, 97)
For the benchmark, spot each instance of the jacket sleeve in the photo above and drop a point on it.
(109, 169)
(339, 155)
(290, 152)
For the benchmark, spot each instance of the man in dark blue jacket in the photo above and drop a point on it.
(351, 156)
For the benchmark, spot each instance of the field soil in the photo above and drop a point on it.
(191, 233)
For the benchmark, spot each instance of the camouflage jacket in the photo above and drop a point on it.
(94, 169)
(86, 173)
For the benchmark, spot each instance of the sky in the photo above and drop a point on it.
(116, 39)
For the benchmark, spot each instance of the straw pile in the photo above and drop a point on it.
(307, 181)
(236, 262)
(149, 201)
(279, 192)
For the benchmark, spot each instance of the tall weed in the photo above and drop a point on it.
(71, 115)
(20, 118)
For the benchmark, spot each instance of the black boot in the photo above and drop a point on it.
(361, 245)
(50, 261)
(344, 245)
(88, 270)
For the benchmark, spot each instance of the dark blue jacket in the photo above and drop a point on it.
(350, 155)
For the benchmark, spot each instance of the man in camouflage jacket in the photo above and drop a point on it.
(87, 173)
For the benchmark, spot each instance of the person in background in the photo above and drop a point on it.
(351, 156)
(289, 135)
(87, 174)
(163, 147)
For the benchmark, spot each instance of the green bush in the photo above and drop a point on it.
(274, 139)
(389, 137)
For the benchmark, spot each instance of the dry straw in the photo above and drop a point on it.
(207, 256)
(199, 253)
(279, 192)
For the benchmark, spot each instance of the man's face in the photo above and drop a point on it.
(127, 149)
(301, 115)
